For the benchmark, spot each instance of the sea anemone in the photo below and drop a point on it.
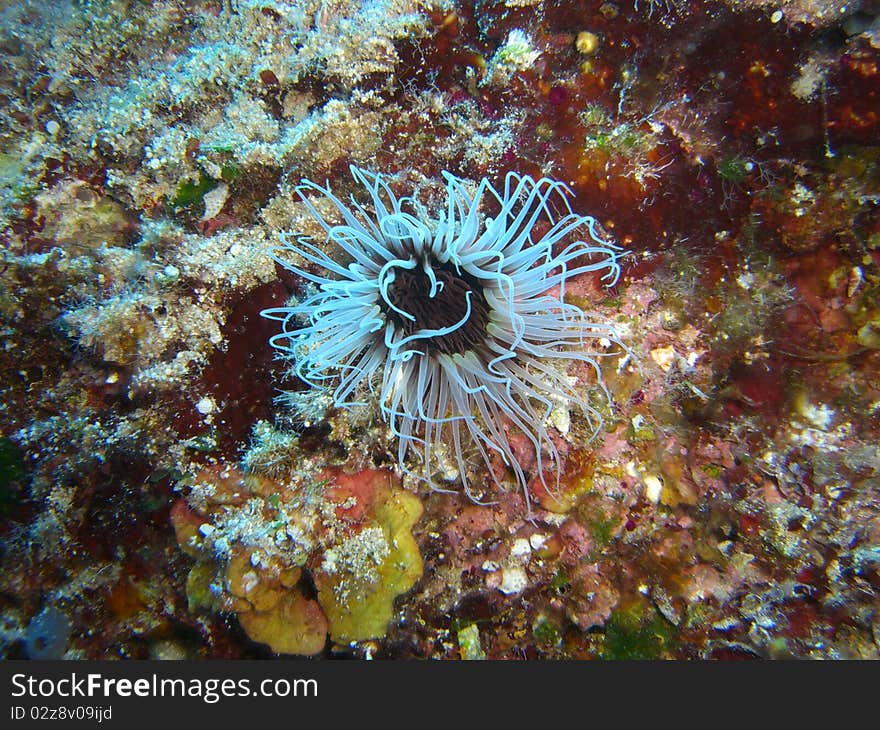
(453, 325)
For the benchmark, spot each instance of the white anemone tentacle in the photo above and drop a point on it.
(488, 365)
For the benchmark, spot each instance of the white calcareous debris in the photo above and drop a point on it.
(653, 487)
(513, 580)
(664, 357)
(214, 201)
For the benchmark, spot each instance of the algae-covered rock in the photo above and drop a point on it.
(294, 625)
(378, 559)
(186, 523)
(80, 218)
(254, 538)
(869, 334)
(198, 588)
(469, 643)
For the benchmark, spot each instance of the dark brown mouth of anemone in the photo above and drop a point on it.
(410, 291)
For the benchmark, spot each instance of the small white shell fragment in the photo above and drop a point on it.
(206, 405)
(537, 541)
(513, 580)
(249, 581)
(664, 357)
(215, 200)
(520, 547)
(560, 419)
(653, 488)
